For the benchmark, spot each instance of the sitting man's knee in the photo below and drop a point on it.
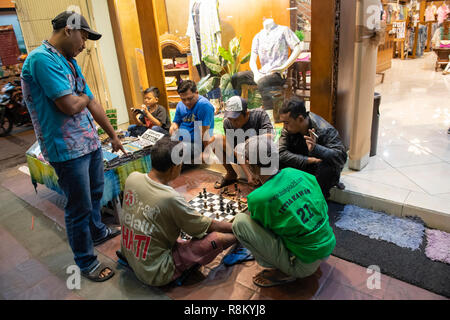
(241, 222)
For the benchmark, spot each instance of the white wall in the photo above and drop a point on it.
(108, 53)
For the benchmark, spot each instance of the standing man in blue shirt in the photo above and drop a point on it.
(63, 111)
(193, 122)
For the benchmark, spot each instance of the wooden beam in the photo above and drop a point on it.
(126, 82)
(152, 49)
(322, 57)
(7, 4)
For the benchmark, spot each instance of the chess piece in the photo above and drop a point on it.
(235, 187)
(204, 191)
(239, 204)
(233, 211)
(211, 207)
(204, 205)
(200, 195)
(228, 209)
(217, 216)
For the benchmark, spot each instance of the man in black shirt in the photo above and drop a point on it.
(311, 144)
(239, 124)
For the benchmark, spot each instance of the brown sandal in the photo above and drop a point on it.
(273, 280)
(223, 183)
(95, 273)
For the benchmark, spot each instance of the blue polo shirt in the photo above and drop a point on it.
(202, 112)
(47, 76)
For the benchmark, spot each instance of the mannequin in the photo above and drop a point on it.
(271, 45)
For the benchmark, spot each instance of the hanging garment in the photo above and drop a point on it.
(430, 12)
(442, 13)
(421, 40)
(210, 32)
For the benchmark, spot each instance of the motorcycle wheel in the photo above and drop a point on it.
(6, 125)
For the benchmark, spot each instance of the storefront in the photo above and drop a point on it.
(155, 46)
(154, 43)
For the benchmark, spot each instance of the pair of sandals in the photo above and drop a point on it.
(222, 182)
(99, 272)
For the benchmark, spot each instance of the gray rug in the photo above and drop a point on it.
(402, 263)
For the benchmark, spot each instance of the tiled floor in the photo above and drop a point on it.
(413, 155)
(29, 271)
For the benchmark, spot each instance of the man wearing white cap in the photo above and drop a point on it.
(240, 124)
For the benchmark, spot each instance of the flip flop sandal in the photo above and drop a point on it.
(94, 274)
(182, 279)
(223, 183)
(110, 233)
(238, 255)
(273, 281)
(122, 260)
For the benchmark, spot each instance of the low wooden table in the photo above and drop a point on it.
(442, 57)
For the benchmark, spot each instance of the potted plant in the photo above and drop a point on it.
(222, 69)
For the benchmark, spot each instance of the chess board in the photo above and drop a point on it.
(217, 214)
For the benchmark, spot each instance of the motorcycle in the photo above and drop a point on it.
(13, 110)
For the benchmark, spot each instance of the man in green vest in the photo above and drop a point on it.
(288, 230)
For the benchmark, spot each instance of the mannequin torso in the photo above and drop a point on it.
(272, 45)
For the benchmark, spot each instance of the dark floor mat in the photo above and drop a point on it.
(403, 264)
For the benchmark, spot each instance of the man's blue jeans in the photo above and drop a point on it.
(82, 181)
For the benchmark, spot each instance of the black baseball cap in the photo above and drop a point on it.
(76, 21)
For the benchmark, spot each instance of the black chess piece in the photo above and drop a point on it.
(228, 209)
(236, 187)
(200, 195)
(217, 216)
(211, 207)
(204, 205)
(204, 191)
(233, 211)
(239, 204)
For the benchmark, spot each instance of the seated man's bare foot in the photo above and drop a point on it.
(271, 278)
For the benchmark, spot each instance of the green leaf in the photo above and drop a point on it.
(225, 54)
(225, 81)
(207, 86)
(300, 35)
(213, 64)
(203, 80)
(235, 47)
(246, 58)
